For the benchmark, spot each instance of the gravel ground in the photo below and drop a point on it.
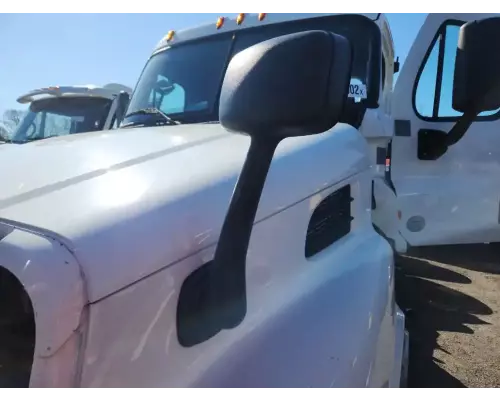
(451, 295)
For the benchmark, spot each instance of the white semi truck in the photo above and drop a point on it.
(66, 110)
(229, 235)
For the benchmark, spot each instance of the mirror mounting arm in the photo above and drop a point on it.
(229, 263)
(433, 144)
(214, 296)
(460, 128)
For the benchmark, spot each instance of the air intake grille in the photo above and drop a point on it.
(330, 221)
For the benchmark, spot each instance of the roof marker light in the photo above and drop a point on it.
(261, 16)
(220, 22)
(240, 18)
(168, 37)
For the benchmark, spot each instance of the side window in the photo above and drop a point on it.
(434, 85)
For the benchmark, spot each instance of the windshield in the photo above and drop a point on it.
(62, 116)
(184, 80)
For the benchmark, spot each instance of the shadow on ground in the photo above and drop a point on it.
(431, 307)
(475, 257)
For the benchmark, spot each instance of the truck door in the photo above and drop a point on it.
(445, 198)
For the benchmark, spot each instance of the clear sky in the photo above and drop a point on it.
(38, 50)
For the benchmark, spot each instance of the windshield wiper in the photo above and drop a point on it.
(4, 139)
(35, 139)
(149, 111)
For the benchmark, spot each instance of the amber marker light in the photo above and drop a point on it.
(240, 18)
(169, 36)
(220, 22)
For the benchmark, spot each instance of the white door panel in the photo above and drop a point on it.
(455, 198)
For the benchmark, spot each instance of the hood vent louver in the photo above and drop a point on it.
(330, 221)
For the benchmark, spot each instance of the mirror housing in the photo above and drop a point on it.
(117, 110)
(293, 85)
(476, 83)
(397, 65)
(122, 100)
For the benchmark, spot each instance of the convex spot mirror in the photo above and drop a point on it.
(476, 84)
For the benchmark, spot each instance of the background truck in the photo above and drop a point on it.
(66, 110)
(226, 236)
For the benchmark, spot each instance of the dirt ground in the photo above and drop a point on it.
(451, 296)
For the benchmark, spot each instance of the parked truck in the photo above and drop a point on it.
(66, 110)
(238, 231)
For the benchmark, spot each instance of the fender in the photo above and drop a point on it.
(52, 279)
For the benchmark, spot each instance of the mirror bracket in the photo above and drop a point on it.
(433, 144)
(460, 128)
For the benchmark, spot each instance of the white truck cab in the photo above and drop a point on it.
(66, 110)
(445, 191)
(226, 236)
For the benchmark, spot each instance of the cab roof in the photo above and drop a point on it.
(230, 24)
(108, 91)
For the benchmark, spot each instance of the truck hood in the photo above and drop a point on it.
(41, 167)
(129, 202)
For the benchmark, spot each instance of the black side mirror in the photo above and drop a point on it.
(122, 103)
(117, 110)
(397, 65)
(476, 84)
(293, 85)
(476, 81)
